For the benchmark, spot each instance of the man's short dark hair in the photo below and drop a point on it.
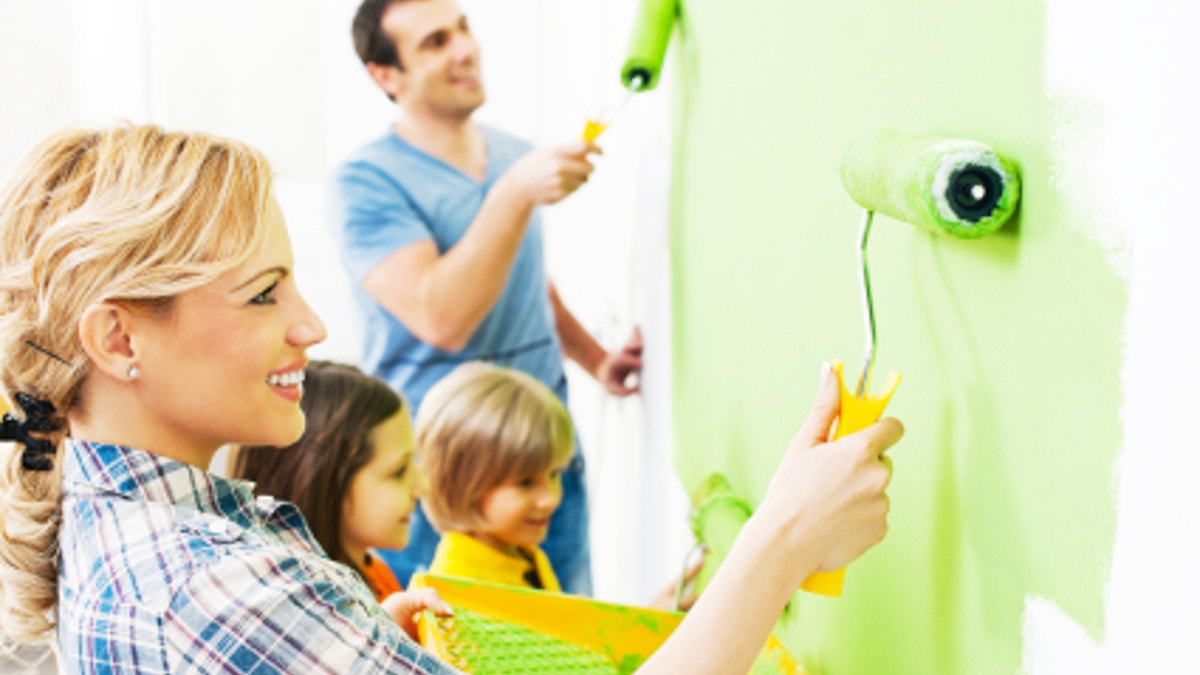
(371, 43)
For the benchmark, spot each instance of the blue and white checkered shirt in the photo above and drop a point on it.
(170, 569)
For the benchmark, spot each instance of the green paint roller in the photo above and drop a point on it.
(945, 185)
(643, 60)
(952, 186)
(948, 185)
(717, 518)
(648, 43)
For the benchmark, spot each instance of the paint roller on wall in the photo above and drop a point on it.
(951, 186)
(947, 185)
(652, 28)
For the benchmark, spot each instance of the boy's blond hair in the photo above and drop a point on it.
(480, 427)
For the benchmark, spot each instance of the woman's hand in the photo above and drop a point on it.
(829, 498)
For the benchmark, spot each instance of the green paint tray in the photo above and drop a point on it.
(506, 630)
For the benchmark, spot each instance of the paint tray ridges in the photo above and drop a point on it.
(478, 643)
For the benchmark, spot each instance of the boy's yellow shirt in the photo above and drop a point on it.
(461, 555)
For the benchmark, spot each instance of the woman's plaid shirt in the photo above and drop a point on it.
(168, 569)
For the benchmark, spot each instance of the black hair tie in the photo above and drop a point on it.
(38, 451)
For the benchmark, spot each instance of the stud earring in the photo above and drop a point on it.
(134, 372)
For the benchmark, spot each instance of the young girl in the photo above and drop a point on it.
(149, 315)
(494, 442)
(351, 473)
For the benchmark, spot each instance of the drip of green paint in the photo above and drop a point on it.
(630, 664)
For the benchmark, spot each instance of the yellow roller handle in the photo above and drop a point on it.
(592, 130)
(857, 414)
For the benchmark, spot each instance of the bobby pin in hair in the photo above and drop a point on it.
(49, 353)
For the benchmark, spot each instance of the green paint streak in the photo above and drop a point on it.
(630, 664)
(1010, 345)
(771, 664)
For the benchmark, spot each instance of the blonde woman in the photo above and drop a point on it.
(148, 315)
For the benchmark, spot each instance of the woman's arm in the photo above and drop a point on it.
(824, 508)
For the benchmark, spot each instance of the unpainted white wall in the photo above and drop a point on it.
(1123, 76)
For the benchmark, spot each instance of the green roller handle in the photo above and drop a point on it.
(953, 186)
(648, 43)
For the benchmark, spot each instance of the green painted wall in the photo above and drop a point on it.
(1010, 347)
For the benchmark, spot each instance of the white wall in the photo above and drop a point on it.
(1124, 77)
(282, 75)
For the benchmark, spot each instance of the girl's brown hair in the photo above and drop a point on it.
(342, 405)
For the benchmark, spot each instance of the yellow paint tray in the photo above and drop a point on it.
(505, 630)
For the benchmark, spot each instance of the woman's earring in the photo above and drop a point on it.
(134, 372)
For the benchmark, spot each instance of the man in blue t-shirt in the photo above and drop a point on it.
(438, 226)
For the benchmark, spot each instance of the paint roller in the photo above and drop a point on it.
(949, 186)
(644, 56)
(718, 515)
(648, 44)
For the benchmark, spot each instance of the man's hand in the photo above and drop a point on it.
(615, 370)
(548, 175)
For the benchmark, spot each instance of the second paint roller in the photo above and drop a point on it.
(648, 44)
(949, 186)
(644, 58)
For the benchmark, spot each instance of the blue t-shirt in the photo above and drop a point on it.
(390, 194)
